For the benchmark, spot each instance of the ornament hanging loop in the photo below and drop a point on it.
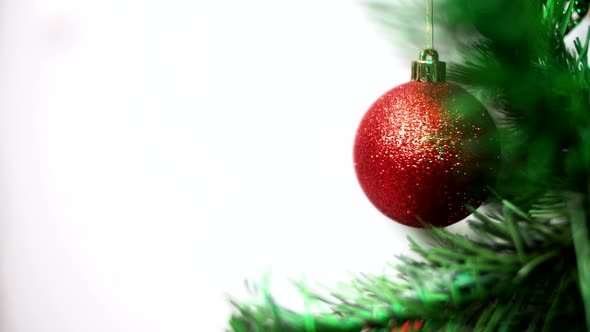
(429, 70)
(429, 51)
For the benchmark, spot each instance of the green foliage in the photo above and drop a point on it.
(519, 274)
(541, 88)
(527, 266)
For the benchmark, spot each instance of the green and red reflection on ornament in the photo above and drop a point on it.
(426, 148)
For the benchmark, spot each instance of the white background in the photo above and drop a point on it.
(153, 154)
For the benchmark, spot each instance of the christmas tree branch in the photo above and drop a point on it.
(579, 227)
(459, 274)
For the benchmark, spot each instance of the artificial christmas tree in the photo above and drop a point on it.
(527, 266)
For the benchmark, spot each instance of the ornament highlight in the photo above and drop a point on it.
(426, 148)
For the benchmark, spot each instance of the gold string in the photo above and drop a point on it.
(429, 25)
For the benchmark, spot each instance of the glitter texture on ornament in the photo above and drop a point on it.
(424, 150)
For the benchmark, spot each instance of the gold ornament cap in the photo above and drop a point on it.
(431, 70)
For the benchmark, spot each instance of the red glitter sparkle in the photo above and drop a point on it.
(424, 150)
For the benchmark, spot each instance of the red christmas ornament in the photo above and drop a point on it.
(407, 327)
(426, 148)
